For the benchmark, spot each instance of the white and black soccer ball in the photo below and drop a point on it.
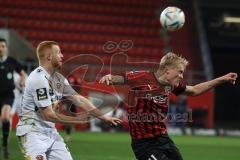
(172, 18)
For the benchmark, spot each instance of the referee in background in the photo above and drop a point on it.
(7, 67)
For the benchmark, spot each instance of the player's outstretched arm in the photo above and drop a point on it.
(205, 86)
(49, 114)
(79, 100)
(88, 107)
(112, 79)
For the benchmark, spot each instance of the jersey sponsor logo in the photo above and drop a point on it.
(42, 94)
(161, 99)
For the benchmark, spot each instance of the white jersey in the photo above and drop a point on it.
(41, 90)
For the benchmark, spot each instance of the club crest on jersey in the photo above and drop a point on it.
(59, 86)
(41, 94)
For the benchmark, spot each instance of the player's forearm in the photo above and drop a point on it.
(50, 114)
(60, 118)
(85, 104)
(69, 119)
(116, 79)
(112, 79)
(206, 86)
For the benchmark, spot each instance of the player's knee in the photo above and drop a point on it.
(5, 115)
(5, 118)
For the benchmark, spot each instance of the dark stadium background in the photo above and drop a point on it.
(83, 27)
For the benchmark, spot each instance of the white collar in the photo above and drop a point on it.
(44, 71)
(3, 58)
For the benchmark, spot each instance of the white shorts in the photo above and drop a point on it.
(40, 146)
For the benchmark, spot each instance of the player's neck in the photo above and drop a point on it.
(3, 58)
(48, 68)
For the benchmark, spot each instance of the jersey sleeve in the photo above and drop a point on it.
(179, 89)
(134, 77)
(41, 94)
(68, 89)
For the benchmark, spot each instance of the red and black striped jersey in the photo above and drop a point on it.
(148, 104)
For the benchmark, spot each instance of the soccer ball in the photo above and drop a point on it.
(172, 18)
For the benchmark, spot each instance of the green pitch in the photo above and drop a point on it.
(116, 146)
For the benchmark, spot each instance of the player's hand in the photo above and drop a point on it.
(230, 77)
(112, 121)
(106, 79)
(56, 106)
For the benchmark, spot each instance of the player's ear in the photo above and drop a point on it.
(166, 70)
(48, 56)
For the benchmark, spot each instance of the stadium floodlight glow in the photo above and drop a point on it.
(229, 19)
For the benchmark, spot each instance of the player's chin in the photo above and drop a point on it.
(58, 65)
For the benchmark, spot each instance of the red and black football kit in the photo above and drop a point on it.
(147, 115)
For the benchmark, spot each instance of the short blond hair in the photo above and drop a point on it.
(43, 46)
(172, 59)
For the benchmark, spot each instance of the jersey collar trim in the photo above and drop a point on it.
(3, 59)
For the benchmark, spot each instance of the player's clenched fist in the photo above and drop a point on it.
(107, 79)
(230, 77)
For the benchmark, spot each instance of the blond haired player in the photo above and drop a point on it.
(38, 137)
(148, 97)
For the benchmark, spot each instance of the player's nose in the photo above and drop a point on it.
(181, 76)
(61, 56)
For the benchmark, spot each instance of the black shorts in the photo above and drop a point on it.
(6, 99)
(157, 148)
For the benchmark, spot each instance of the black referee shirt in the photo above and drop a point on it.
(6, 74)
